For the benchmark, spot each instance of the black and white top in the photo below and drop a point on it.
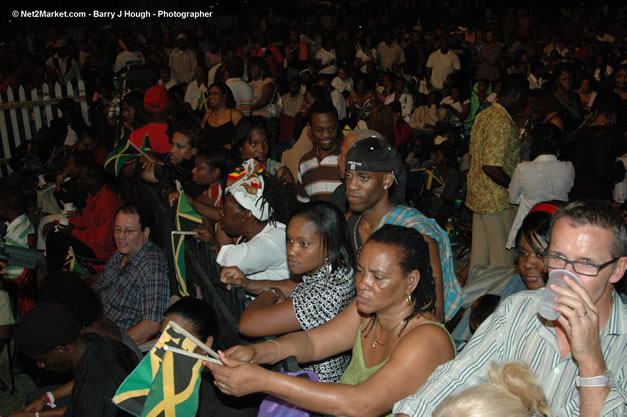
(318, 299)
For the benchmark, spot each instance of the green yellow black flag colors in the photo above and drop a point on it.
(186, 218)
(121, 155)
(164, 384)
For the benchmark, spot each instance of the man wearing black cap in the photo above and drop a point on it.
(372, 168)
(52, 337)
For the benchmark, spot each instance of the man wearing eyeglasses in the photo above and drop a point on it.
(134, 286)
(580, 359)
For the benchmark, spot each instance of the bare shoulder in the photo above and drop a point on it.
(426, 338)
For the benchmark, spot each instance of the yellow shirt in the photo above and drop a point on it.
(494, 141)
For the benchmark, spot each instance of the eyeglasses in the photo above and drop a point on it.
(124, 231)
(586, 268)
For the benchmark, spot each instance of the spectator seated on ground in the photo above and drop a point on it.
(134, 286)
(90, 234)
(256, 208)
(319, 255)
(531, 243)
(51, 336)
(511, 390)
(585, 343)
(396, 339)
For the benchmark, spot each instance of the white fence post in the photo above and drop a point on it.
(36, 110)
(25, 114)
(13, 114)
(47, 107)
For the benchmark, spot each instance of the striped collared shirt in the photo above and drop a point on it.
(514, 333)
(317, 179)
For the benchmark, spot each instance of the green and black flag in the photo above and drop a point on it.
(121, 155)
(186, 218)
(164, 384)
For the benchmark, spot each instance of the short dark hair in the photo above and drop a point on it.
(144, 217)
(187, 124)
(199, 313)
(13, 199)
(68, 289)
(515, 82)
(333, 230)
(321, 107)
(599, 213)
(413, 255)
(607, 102)
(217, 157)
(242, 132)
(546, 139)
(481, 310)
(535, 226)
(235, 66)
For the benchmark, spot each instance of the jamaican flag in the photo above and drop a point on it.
(203, 101)
(121, 155)
(431, 177)
(186, 218)
(164, 384)
(72, 264)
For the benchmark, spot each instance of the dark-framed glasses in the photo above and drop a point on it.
(582, 267)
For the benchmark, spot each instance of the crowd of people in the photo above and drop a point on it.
(327, 167)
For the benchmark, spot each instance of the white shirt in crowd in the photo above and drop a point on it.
(543, 179)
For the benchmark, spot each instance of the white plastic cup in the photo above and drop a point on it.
(64, 221)
(42, 181)
(556, 277)
(67, 207)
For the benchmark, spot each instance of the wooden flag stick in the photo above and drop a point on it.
(192, 355)
(183, 232)
(144, 154)
(197, 342)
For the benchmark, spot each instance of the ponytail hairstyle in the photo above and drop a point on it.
(413, 255)
(511, 391)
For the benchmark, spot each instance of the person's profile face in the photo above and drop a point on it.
(203, 174)
(181, 148)
(324, 130)
(55, 360)
(306, 250)
(379, 278)
(231, 217)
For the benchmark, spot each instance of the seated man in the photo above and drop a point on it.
(89, 234)
(134, 285)
(51, 336)
(574, 357)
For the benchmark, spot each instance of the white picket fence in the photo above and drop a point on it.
(27, 115)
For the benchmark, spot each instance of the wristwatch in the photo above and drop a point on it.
(605, 380)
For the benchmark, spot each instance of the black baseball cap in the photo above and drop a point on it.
(374, 155)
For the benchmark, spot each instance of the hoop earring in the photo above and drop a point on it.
(408, 299)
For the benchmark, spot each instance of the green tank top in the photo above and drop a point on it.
(357, 372)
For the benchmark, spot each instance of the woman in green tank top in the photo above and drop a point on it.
(391, 327)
